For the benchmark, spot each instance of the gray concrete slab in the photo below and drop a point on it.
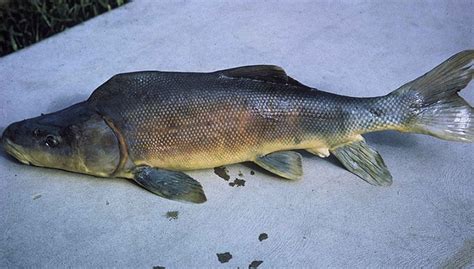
(51, 218)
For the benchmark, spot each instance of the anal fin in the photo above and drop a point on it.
(362, 160)
(170, 184)
(286, 164)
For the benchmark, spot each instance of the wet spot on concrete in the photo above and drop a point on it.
(237, 183)
(262, 236)
(224, 257)
(172, 215)
(159, 267)
(106, 202)
(36, 196)
(252, 172)
(222, 172)
(255, 264)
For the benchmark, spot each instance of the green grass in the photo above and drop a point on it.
(24, 22)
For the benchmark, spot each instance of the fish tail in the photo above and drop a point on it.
(433, 105)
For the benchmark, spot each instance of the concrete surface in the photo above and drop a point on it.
(51, 218)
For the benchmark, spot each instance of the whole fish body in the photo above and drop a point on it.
(149, 126)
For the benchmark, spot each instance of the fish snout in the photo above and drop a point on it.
(11, 140)
(9, 132)
(3, 139)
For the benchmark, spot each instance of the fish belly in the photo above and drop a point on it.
(212, 135)
(216, 156)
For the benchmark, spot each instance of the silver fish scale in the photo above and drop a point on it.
(178, 117)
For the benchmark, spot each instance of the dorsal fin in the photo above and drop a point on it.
(271, 73)
(294, 82)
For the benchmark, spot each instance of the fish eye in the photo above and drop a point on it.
(51, 141)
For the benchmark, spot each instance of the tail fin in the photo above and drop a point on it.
(435, 107)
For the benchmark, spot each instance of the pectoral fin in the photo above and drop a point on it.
(170, 184)
(365, 162)
(286, 164)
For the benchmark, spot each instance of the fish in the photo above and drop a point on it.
(152, 126)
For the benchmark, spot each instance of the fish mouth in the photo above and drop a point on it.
(15, 151)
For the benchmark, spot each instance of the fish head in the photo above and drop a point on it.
(33, 143)
(74, 139)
